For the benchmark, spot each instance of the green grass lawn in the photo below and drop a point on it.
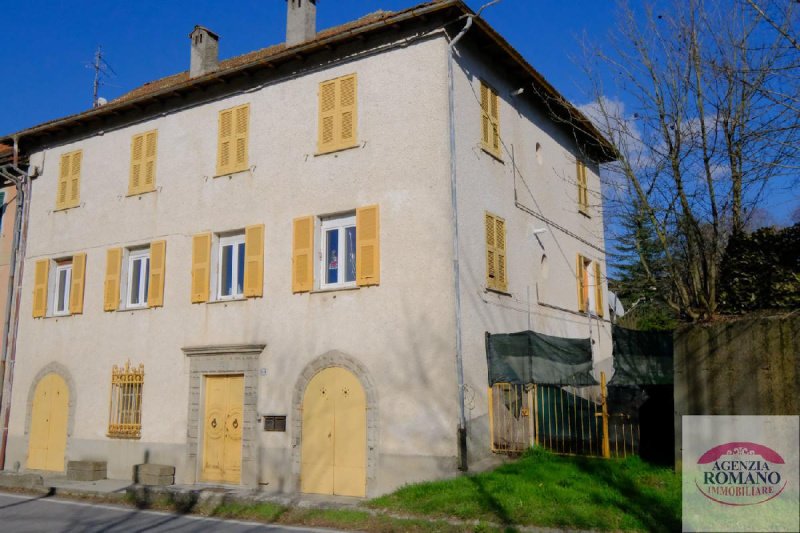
(542, 489)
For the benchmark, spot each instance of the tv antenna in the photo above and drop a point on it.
(101, 70)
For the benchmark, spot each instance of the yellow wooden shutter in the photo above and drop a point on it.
(368, 246)
(583, 192)
(74, 198)
(490, 120)
(485, 120)
(111, 284)
(225, 142)
(158, 258)
(580, 281)
(303, 254)
(338, 113)
(598, 289)
(40, 277)
(494, 113)
(150, 152)
(491, 252)
(63, 181)
(327, 116)
(254, 261)
(137, 159)
(347, 110)
(78, 281)
(201, 267)
(500, 249)
(241, 130)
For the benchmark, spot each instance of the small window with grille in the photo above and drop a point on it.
(125, 411)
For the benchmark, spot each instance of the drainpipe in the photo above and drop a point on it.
(21, 183)
(462, 417)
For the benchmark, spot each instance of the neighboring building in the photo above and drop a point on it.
(8, 197)
(268, 241)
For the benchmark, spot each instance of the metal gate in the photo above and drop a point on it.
(565, 419)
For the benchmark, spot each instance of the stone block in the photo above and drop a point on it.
(154, 474)
(86, 470)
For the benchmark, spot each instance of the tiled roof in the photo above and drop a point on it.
(262, 54)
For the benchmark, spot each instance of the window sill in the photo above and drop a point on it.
(334, 289)
(494, 156)
(337, 150)
(140, 193)
(497, 291)
(64, 209)
(231, 173)
(228, 301)
(130, 309)
(67, 315)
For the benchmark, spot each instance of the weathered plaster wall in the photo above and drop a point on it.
(9, 212)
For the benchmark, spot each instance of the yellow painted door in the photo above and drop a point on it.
(334, 445)
(48, 437)
(222, 429)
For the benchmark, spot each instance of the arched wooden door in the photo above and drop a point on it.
(334, 435)
(48, 436)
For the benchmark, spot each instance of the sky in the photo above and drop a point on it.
(49, 45)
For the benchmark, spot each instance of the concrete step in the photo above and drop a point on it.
(19, 480)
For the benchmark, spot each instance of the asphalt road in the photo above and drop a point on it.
(20, 513)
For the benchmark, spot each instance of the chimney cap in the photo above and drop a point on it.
(203, 29)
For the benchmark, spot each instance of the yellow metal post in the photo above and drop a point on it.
(491, 419)
(603, 398)
(535, 416)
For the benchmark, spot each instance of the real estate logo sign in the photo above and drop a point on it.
(740, 473)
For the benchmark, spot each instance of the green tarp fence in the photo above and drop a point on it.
(641, 357)
(530, 357)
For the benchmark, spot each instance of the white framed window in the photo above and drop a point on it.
(230, 267)
(63, 282)
(138, 278)
(338, 252)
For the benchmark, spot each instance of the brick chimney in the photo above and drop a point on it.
(301, 21)
(205, 51)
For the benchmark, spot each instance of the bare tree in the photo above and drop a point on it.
(708, 126)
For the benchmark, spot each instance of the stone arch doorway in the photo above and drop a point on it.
(335, 427)
(47, 441)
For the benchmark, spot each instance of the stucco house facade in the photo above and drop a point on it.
(248, 271)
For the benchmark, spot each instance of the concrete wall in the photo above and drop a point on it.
(401, 332)
(748, 366)
(540, 269)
